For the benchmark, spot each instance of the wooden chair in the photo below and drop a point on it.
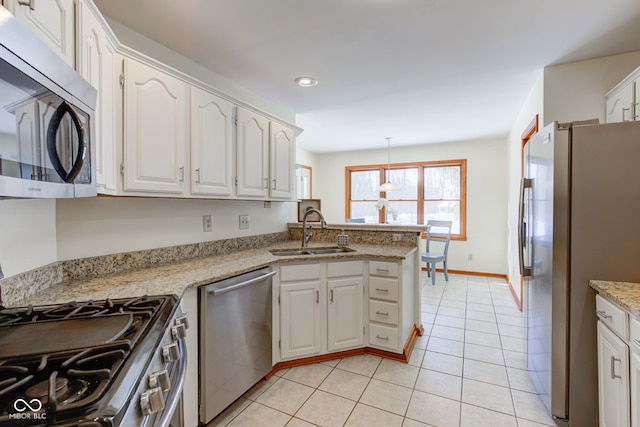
(439, 238)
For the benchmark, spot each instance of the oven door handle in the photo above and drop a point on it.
(176, 390)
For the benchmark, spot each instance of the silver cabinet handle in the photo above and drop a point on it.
(382, 270)
(30, 3)
(382, 338)
(331, 295)
(613, 368)
(623, 116)
(266, 183)
(636, 110)
(236, 286)
(181, 173)
(603, 314)
(274, 184)
(379, 313)
(198, 176)
(382, 290)
(317, 297)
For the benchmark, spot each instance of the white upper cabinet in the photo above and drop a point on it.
(51, 20)
(96, 53)
(622, 102)
(155, 131)
(211, 144)
(252, 147)
(282, 161)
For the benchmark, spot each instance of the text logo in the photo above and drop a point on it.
(21, 405)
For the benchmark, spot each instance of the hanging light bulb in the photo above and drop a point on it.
(388, 186)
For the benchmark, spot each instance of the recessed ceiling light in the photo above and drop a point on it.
(306, 81)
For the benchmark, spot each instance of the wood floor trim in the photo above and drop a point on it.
(399, 357)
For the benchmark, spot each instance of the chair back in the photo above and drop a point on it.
(440, 233)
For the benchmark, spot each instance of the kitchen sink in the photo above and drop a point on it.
(311, 251)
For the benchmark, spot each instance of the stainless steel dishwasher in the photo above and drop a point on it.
(235, 338)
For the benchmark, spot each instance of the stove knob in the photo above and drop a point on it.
(179, 332)
(160, 379)
(182, 320)
(171, 352)
(151, 401)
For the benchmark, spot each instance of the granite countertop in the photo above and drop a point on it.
(625, 294)
(175, 278)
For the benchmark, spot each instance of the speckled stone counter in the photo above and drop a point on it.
(175, 277)
(624, 294)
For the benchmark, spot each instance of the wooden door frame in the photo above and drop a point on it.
(529, 131)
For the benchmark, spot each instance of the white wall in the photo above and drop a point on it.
(576, 91)
(107, 225)
(532, 106)
(486, 194)
(566, 92)
(27, 235)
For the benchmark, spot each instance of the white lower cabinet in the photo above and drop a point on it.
(613, 379)
(331, 306)
(391, 314)
(345, 321)
(320, 308)
(618, 372)
(300, 319)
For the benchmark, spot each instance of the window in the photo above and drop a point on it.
(428, 190)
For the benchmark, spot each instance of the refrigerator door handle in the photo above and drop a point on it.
(525, 271)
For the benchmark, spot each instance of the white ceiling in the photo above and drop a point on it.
(419, 71)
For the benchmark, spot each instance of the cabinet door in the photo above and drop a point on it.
(282, 161)
(635, 389)
(211, 144)
(95, 63)
(613, 379)
(52, 21)
(345, 313)
(154, 129)
(300, 319)
(619, 105)
(252, 142)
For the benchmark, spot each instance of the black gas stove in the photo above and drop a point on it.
(95, 363)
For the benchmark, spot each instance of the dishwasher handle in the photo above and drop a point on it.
(221, 291)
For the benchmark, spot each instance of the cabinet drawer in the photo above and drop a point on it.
(383, 288)
(613, 316)
(346, 268)
(383, 268)
(383, 336)
(385, 312)
(290, 273)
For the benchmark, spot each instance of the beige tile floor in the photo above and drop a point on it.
(467, 370)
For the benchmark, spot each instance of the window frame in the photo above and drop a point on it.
(382, 168)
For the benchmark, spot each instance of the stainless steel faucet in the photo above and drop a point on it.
(306, 232)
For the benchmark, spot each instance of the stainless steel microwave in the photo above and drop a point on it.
(47, 147)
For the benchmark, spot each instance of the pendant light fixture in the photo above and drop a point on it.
(388, 186)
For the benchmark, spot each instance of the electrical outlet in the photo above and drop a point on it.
(267, 205)
(207, 223)
(469, 257)
(244, 222)
(397, 237)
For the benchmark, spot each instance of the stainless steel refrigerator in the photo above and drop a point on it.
(580, 220)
